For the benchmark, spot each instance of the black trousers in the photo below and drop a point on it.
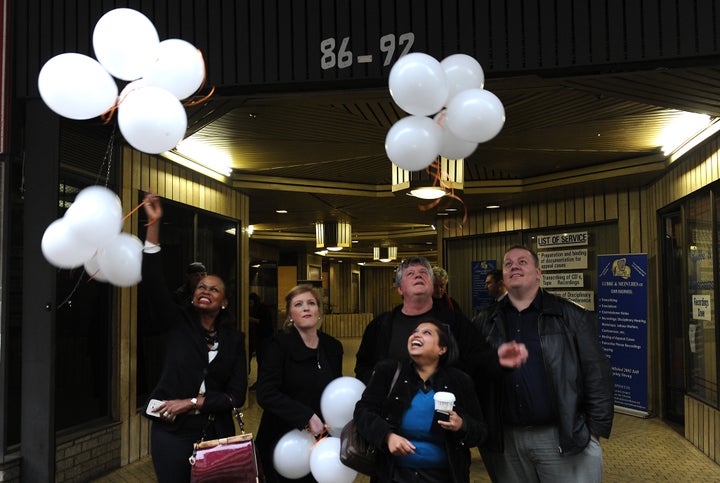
(172, 448)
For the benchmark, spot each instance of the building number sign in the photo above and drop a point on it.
(344, 58)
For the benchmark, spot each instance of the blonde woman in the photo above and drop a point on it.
(300, 362)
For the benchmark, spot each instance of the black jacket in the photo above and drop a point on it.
(186, 355)
(376, 338)
(378, 413)
(290, 385)
(576, 365)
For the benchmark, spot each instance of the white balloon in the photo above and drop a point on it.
(95, 216)
(475, 115)
(337, 402)
(62, 248)
(125, 42)
(451, 146)
(151, 119)
(462, 72)
(325, 463)
(418, 85)
(413, 142)
(92, 268)
(291, 456)
(121, 260)
(76, 86)
(178, 68)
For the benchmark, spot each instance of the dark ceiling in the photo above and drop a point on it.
(321, 155)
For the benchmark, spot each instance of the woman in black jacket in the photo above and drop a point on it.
(299, 363)
(204, 375)
(399, 421)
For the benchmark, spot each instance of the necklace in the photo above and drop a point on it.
(210, 336)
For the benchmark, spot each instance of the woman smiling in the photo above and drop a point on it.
(401, 422)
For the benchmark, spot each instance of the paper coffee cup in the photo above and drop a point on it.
(444, 401)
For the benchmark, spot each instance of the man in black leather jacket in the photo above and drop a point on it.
(561, 400)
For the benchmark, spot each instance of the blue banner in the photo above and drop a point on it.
(480, 296)
(622, 308)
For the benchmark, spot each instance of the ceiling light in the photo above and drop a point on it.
(216, 173)
(492, 207)
(281, 212)
(333, 235)
(209, 156)
(440, 178)
(385, 254)
(428, 192)
(683, 127)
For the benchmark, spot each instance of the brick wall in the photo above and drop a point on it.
(88, 456)
(10, 470)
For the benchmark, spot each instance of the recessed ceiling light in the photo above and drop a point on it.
(442, 213)
(281, 212)
(492, 207)
(450, 209)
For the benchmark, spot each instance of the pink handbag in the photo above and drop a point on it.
(226, 460)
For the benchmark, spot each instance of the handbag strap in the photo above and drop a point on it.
(211, 418)
(239, 417)
(395, 378)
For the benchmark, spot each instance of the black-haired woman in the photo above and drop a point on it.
(414, 445)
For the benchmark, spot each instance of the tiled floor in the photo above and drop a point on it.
(639, 450)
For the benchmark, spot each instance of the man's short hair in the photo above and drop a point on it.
(411, 261)
(496, 274)
(195, 267)
(523, 247)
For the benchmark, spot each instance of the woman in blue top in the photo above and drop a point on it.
(413, 445)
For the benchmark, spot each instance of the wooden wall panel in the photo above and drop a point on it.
(141, 172)
(377, 291)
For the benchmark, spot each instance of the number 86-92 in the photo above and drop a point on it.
(344, 57)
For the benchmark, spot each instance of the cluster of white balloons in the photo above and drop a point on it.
(464, 113)
(297, 454)
(90, 234)
(161, 74)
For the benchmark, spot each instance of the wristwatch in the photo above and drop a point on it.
(194, 402)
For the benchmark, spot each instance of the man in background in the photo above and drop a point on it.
(495, 285)
(194, 272)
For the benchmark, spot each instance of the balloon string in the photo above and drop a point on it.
(439, 178)
(142, 203)
(319, 437)
(93, 275)
(201, 100)
(202, 84)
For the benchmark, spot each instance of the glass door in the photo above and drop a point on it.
(673, 355)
